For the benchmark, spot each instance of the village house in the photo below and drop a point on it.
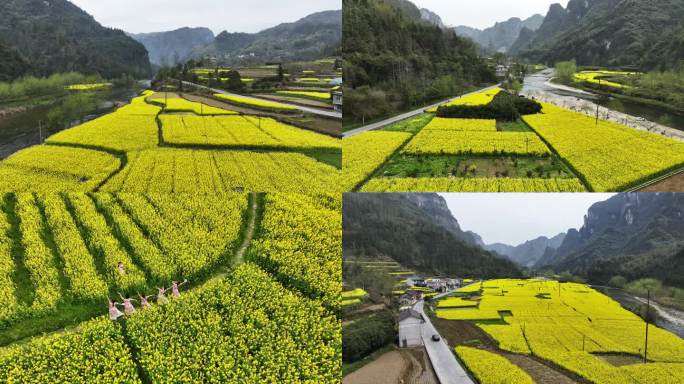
(410, 328)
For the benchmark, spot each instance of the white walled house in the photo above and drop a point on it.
(410, 328)
(415, 281)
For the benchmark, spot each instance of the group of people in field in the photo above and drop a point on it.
(144, 300)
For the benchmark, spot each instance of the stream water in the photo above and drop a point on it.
(537, 83)
(668, 318)
(23, 129)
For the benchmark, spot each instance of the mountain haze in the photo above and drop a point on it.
(530, 252)
(414, 230)
(173, 46)
(501, 36)
(313, 37)
(631, 234)
(613, 33)
(42, 37)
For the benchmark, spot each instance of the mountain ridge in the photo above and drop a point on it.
(39, 46)
(502, 35)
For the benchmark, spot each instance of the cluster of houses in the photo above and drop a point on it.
(411, 321)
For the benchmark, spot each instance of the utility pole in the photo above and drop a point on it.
(648, 306)
(597, 105)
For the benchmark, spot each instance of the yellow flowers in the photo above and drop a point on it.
(568, 324)
(177, 104)
(199, 172)
(46, 168)
(131, 127)
(490, 368)
(594, 77)
(456, 184)
(364, 153)
(609, 156)
(253, 103)
(96, 353)
(448, 124)
(245, 328)
(354, 294)
(241, 132)
(437, 142)
(307, 94)
(479, 98)
(87, 87)
(301, 243)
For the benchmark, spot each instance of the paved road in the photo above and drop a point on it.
(406, 115)
(313, 111)
(447, 368)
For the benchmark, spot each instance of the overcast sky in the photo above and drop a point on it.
(513, 218)
(485, 13)
(139, 16)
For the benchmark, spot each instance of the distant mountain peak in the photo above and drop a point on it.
(502, 35)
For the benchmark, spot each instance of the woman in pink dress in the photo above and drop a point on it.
(174, 288)
(129, 309)
(161, 296)
(114, 312)
(143, 301)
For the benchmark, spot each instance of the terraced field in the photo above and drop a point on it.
(556, 150)
(161, 144)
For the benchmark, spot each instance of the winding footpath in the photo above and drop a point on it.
(447, 368)
(404, 116)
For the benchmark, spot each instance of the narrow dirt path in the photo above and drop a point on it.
(239, 255)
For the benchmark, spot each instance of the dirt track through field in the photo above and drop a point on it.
(406, 366)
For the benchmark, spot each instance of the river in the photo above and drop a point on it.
(668, 318)
(23, 129)
(537, 83)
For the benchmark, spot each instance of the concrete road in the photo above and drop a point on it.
(313, 111)
(447, 368)
(406, 115)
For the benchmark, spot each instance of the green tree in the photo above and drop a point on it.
(565, 71)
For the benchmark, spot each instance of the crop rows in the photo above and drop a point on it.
(241, 131)
(201, 172)
(609, 156)
(364, 153)
(177, 104)
(446, 184)
(72, 244)
(301, 244)
(325, 96)
(490, 368)
(247, 328)
(480, 98)
(45, 168)
(253, 103)
(436, 142)
(129, 128)
(568, 324)
(451, 124)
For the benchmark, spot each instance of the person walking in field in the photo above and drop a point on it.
(114, 312)
(129, 309)
(143, 301)
(174, 288)
(120, 268)
(161, 296)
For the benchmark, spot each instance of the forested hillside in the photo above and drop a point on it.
(395, 60)
(392, 225)
(44, 37)
(633, 235)
(313, 37)
(641, 34)
(173, 47)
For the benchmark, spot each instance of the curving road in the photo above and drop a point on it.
(313, 111)
(407, 115)
(447, 368)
